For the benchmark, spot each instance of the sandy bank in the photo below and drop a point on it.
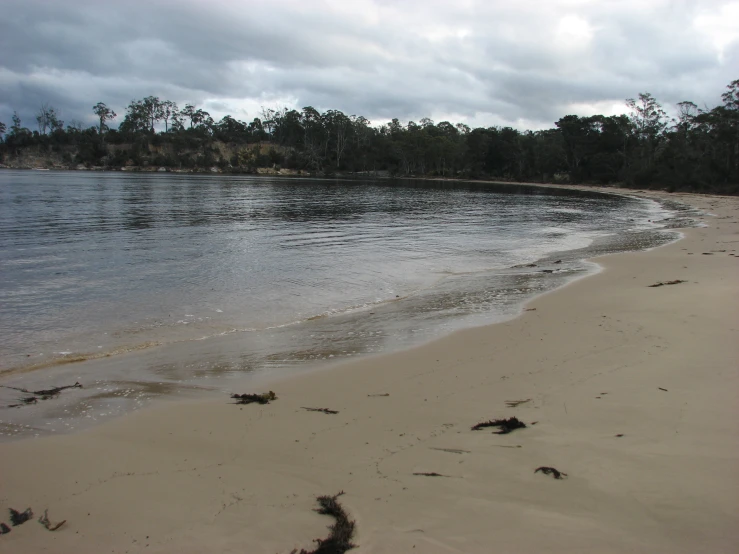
(602, 357)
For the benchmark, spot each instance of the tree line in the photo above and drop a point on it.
(698, 149)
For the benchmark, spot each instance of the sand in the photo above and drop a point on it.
(633, 390)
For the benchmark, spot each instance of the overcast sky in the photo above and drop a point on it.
(523, 63)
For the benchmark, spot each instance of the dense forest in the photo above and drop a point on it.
(698, 149)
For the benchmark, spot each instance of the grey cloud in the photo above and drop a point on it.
(503, 65)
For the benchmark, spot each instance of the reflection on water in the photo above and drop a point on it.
(237, 275)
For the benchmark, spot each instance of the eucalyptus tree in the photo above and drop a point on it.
(463, 128)
(42, 118)
(104, 114)
(449, 147)
(16, 127)
(203, 121)
(229, 129)
(74, 126)
(189, 112)
(362, 140)
(576, 134)
(256, 130)
(198, 118)
(338, 128)
(169, 112)
(269, 119)
(716, 138)
(647, 115)
(55, 124)
(649, 121)
(315, 139)
(731, 96)
(136, 119)
(287, 128)
(731, 109)
(477, 144)
(177, 121)
(153, 109)
(19, 136)
(48, 119)
(686, 117)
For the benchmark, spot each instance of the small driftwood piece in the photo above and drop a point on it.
(24, 402)
(451, 450)
(430, 474)
(54, 392)
(19, 518)
(36, 395)
(263, 398)
(4, 529)
(381, 394)
(340, 535)
(551, 471)
(44, 520)
(514, 403)
(324, 410)
(663, 283)
(660, 388)
(505, 426)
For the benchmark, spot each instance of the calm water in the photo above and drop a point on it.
(170, 282)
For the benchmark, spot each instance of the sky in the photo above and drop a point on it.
(518, 63)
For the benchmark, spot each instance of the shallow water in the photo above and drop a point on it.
(172, 283)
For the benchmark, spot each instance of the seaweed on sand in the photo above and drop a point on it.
(43, 394)
(24, 402)
(263, 398)
(54, 391)
(515, 403)
(505, 426)
(341, 532)
(324, 410)
(18, 518)
(663, 283)
(551, 471)
(44, 520)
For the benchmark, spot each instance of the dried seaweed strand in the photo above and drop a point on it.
(340, 535)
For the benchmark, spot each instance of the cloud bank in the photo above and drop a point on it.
(483, 62)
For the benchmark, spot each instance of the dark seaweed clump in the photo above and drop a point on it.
(551, 471)
(323, 410)
(340, 535)
(505, 426)
(663, 283)
(18, 518)
(263, 398)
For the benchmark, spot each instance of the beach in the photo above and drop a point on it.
(628, 388)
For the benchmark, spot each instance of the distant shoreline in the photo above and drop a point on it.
(614, 188)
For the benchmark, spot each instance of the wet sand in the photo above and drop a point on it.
(632, 388)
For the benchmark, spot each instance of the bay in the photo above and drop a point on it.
(166, 283)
